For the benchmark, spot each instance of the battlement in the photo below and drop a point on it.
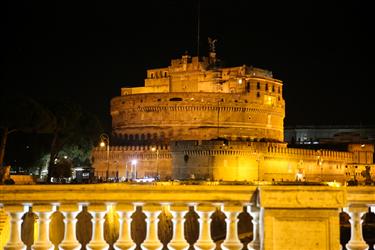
(191, 75)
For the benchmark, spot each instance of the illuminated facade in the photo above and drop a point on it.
(197, 120)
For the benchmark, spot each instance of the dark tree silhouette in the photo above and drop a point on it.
(21, 113)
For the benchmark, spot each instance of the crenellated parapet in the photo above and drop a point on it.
(311, 154)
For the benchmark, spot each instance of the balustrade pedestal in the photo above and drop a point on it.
(15, 212)
(205, 241)
(232, 242)
(43, 212)
(178, 241)
(124, 241)
(70, 242)
(152, 241)
(356, 241)
(98, 212)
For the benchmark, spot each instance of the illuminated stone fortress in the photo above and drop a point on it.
(198, 120)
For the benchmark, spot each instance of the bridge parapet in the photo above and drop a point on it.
(281, 214)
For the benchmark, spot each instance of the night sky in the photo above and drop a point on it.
(87, 51)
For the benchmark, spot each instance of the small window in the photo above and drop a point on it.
(159, 100)
(152, 75)
(273, 88)
(266, 86)
(248, 87)
(278, 90)
(165, 74)
(258, 94)
(176, 99)
(258, 85)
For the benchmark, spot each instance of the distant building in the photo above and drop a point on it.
(338, 134)
(198, 120)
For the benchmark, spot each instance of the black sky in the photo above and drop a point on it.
(86, 51)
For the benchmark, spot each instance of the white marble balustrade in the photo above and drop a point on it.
(272, 214)
(125, 210)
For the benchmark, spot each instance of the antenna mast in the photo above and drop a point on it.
(198, 28)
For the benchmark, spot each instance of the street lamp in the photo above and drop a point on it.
(153, 149)
(134, 168)
(104, 142)
(320, 164)
(257, 159)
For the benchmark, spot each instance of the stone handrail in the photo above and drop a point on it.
(313, 211)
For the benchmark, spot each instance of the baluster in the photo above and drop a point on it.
(15, 212)
(356, 239)
(124, 241)
(255, 243)
(70, 242)
(43, 211)
(98, 212)
(204, 241)
(232, 241)
(152, 241)
(178, 241)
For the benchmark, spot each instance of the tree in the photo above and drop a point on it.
(21, 113)
(74, 135)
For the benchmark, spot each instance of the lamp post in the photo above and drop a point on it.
(104, 142)
(258, 160)
(134, 169)
(153, 149)
(320, 164)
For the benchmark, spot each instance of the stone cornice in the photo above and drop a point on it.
(302, 197)
(126, 193)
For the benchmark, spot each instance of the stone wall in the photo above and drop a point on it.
(196, 116)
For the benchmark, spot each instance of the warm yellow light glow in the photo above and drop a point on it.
(269, 100)
(334, 184)
(110, 214)
(240, 81)
(134, 162)
(153, 149)
(102, 144)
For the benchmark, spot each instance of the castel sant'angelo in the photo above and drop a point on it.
(198, 120)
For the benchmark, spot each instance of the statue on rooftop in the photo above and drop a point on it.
(211, 43)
